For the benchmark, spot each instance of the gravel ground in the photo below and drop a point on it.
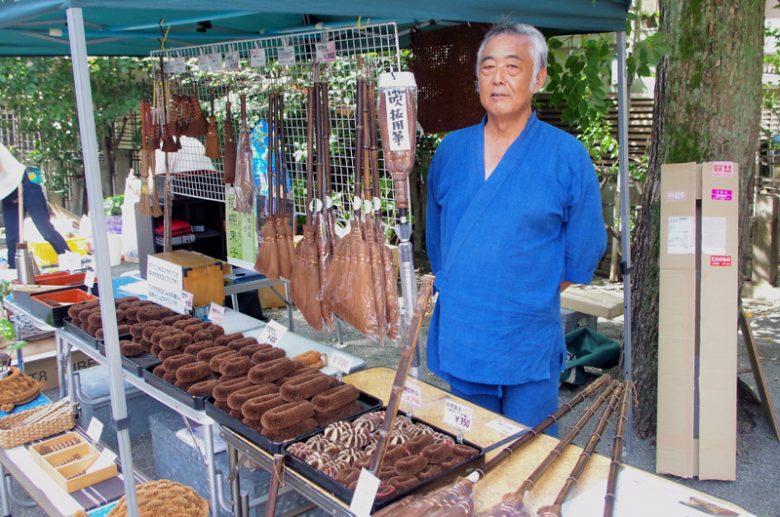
(757, 488)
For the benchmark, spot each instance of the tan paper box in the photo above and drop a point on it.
(676, 451)
(718, 325)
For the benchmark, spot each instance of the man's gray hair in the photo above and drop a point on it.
(536, 43)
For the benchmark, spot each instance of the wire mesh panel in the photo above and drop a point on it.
(219, 74)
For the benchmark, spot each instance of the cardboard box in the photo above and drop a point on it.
(697, 335)
(676, 452)
(718, 321)
(40, 362)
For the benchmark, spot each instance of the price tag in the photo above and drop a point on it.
(186, 301)
(257, 57)
(341, 362)
(89, 279)
(232, 60)
(176, 65)
(204, 63)
(215, 61)
(286, 55)
(357, 203)
(365, 493)
(458, 415)
(326, 51)
(377, 204)
(272, 333)
(216, 313)
(95, 429)
(315, 206)
(504, 427)
(412, 394)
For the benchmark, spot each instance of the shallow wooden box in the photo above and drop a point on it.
(64, 472)
(203, 276)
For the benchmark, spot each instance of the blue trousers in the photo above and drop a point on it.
(528, 403)
(35, 205)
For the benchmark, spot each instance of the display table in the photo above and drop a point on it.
(636, 489)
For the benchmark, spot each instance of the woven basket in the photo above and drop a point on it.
(18, 388)
(13, 433)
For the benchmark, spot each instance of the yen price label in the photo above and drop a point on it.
(458, 415)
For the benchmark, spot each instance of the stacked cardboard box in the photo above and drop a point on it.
(697, 335)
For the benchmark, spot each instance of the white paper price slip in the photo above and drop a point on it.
(216, 313)
(341, 362)
(272, 333)
(458, 415)
(412, 394)
(89, 279)
(365, 493)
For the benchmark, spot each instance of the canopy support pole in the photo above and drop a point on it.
(88, 135)
(625, 231)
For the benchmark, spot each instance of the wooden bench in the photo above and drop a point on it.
(602, 305)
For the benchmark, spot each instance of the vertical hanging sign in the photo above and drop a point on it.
(397, 119)
(240, 234)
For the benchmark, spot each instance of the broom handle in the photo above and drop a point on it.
(20, 195)
(617, 451)
(309, 153)
(542, 426)
(359, 144)
(553, 456)
(426, 288)
(587, 452)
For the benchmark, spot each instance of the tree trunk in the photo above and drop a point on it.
(707, 107)
(110, 154)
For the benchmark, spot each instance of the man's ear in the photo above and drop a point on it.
(541, 77)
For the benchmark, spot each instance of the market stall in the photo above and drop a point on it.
(140, 35)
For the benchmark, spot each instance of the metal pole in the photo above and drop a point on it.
(408, 279)
(625, 232)
(88, 135)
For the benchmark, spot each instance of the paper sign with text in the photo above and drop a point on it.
(232, 60)
(216, 313)
(412, 394)
(257, 57)
(286, 56)
(341, 362)
(272, 333)
(89, 279)
(326, 52)
(504, 427)
(165, 284)
(458, 415)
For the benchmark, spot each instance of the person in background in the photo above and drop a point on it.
(513, 218)
(12, 174)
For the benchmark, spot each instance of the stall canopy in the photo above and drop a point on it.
(133, 27)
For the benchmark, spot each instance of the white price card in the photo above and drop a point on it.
(365, 493)
(186, 301)
(286, 55)
(106, 458)
(257, 57)
(272, 333)
(326, 51)
(176, 65)
(232, 60)
(216, 313)
(458, 415)
(95, 429)
(89, 279)
(341, 362)
(204, 63)
(504, 427)
(215, 61)
(412, 394)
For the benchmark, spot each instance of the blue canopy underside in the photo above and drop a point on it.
(132, 27)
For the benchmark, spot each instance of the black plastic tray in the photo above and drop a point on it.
(365, 401)
(80, 332)
(177, 393)
(135, 365)
(345, 494)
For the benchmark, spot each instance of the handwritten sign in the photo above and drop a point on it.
(165, 284)
(365, 493)
(458, 415)
(257, 57)
(504, 427)
(186, 300)
(232, 60)
(326, 51)
(286, 55)
(216, 313)
(341, 362)
(176, 65)
(272, 333)
(240, 234)
(412, 394)
(89, 279)
(397, 119)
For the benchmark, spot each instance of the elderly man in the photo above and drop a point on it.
(513, 218)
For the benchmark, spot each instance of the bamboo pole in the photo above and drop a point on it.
(617, 450)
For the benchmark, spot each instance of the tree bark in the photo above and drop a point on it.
(707, 107)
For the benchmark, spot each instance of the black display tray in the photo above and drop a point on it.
(135, 365)
(177, 393)
(80, 332)
(365, 401)
(345, 494)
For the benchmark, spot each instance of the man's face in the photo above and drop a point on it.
(505, 76)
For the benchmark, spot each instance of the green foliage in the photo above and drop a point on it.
(112, 205)
(40, 93)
